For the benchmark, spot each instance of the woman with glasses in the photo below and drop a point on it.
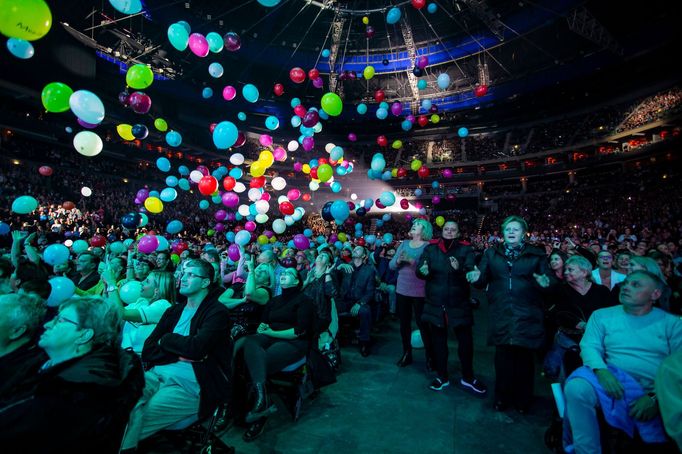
(287, 327)
(82, 397)
(319, 286)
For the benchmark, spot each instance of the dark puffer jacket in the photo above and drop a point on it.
(515, 298)
(447, 290)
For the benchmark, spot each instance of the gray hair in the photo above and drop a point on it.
(94, 313)
(24, 309)
(582, 263)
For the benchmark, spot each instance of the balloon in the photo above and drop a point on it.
(174, 227)
(148, 244)
(272, 122)
(406, 125)
(215, 42)
(55, 97)
(87, 143)
(86, 191)
(369, 31)
(130, 292)
(422, 120)
(87, 106)
(198, 44)
(62, 288)
(332, 104)
(216, 70)
(225, 135)
(417, 72)
(168, 195)
(423, 172)
(56, 254)
(379, 95)
(362, 108)
(382, 113)
(266, 158)
(310, 118)
(297, 75)
(232, 41)
(339, 211)
(242, 237)
(163, 164)
(286, 207)
(308, 143)
(173, 138)
(393, 15)
(97, 241)
(435, 119)
(207, 92)
(280, 154)
(443, 81)
(440, 221)
(25, 19)
(480, 91)
(20, 48)
(397, 144)
(396, 108)
(230, 199)
(139, 77)
(153, 205)
(368, 72)
(301, 242)
(278, 89)
(79, 246)
(432, 8)
(45, 171)
(326, 53)
(178, 36)
(387, 198)
(250, 93)
(462, 132)
(229, 92)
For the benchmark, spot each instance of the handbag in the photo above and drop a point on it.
(321, 370)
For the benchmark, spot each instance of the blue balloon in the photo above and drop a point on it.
(20, 48)
(326, 53)
(225, 135)
(383, 105)
(426, 104)
(443, 81)
(370, 239)
(183, 184)
(388, 238)
(382, 113)
(63, 288)
(308, 233)
(313, 163)
(154, 194)
(184, 170)
(174, 227)
(207, 92)
(295, 102)
(386, 217)
(422, 84)
(140, 131)
(380, 222)
(163, 164)
(216, 70)
(418, 192)
(87, 106)
(68, 129)
(295, 121)
(204, 204)
(362, 108)
(393, 15)
(339, 211)
(323, 115)
(269, 3)
(172, 181)
(127, 6)
(386, 175)
(56, 254)
(236, 173)
(432, 8)
(241, 116)
(406, 125)
(173, 138)
(358, 226)
(242, 237)
(435, 184)
(338, 244)
(336, 186)
(462, 132)
(272, 123)
(250, 93)
(368, 203)
(387, 198)
(168, 194)
(229, 236)
(4, 228)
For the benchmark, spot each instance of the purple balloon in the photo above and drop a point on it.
(230, 199)
(410, 118)
(352, 75)
(232, 41)
(318, 83)
(310, 118)
(308, 143)
(396, 108)
(352, 137)
(123, 98)
(85, 124)
(298, 166)
(140, 102)
(220, 215)
(269, 233)
(422, 62)
(219, 227)
(148, 244)
(433, 109)
(231, 217)
(301, 242)
(447, 173)
(435, 199)
(233, 252)
(142, 194)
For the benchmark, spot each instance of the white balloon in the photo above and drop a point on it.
(68, 243)
(328, 147)
(297, 216)
(262, 206)
(195, 176)
(292, 146)
(314, 185)
(288, 220)
(281, 199)
(86, 191)
(353, 196)
(237, 159)
(239, 187)
(261, 218)
(254, 194)
(278, 183)
(244, 210)
(88, 143)
(279, 226)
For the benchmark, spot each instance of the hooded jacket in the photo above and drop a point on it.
(78, 406)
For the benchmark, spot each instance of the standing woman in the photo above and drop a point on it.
(443, 265)
(410, 289)
(515, 273)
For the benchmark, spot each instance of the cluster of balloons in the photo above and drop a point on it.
(180, 36)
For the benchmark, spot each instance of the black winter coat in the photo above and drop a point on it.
(78, 406)
(516, 300)
(447, 290)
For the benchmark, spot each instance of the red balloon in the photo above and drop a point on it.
(286, 207)
(402, 172)
(241, 140)
(97, 241)
(379, 95)
(279, 89)
(423, 172)
(208, 185)
(322, 161)
(179, 247)
(257, 182)
(313, 172)
(68, 205)
(45, 171)
(300, 111)
(361, 241)
(297, 75)
(306, 197)
(419, 4)
(313, 74)
(422, 120)
(211, 127)
(351, 205)
(228, 183)
(380, 205)
(404, 204)
(382, 141)
(481, 90)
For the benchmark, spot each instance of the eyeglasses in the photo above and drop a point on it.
(191, 275)
(62, 319)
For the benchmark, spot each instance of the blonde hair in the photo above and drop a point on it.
(165, 282)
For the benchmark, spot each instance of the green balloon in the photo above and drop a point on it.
(368, 72)
(325, 172)
(55, 97)
(25, 19)
(161, 124)
(331, 103)
(139, 77)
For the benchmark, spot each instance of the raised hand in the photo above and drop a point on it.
(473, 276)
(542, 280)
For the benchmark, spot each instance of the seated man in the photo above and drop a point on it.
(187, 358)
(622, 349)
(86, 272)
(357, 291)
(81, 398)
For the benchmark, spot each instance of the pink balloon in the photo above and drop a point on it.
(280, 154)
(308, 143)
(198, 44)
(298, 166)
(265, 140)
(229, 92)
(148, 244)
(265, 196)
(250, 226)
(293, 194)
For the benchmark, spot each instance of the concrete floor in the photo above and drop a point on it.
(378, 407)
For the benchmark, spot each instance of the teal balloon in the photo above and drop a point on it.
(242, 237)
(236, 173)
(225, 135)
(168, 195)
(383, 105)
(204, 204)
(207, 92)
(56, 254)
(164, 165)
(336, 153)
(241, 116)
(62, 288)
(20, 48)
(295, 102)
(387, 198)
(172, 181)
(393, 15)
(184, 170)
(339, 211)
(362, 108)
(127, 6)
(144, 219)
(183, 184)
(24, 204)
(272, 123)
(323, 115)
(174, 227)
(215, 42)
(326, 53)
(173, 138)
(336, 186)
(388, 238)
(178, 36)
(462, 132)
(216, 70)
(432, 8)
(422, 84)
(250, 93)
(382, 113)
(185, 25)
(269, 3)
(295, 121)
(79, 246)
(406, 125)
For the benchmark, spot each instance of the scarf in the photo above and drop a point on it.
(512, 253)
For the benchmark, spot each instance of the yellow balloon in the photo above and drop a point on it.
(262, 239)
(435, 119)
(365, 20)
(125, 131)
(25, 19)
(266, 158)
(306, 168)
(368, 72)
(394, 172)
(257, 169)
(440, 220)
(153, 205)
(273, 239)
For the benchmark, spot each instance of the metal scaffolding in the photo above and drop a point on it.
(582, 22)
(482, 11)
(412, 52)
(337, 30)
